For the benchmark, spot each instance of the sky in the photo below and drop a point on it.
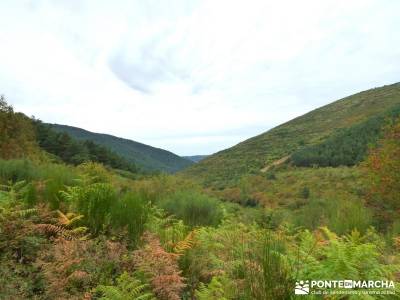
(192, 77)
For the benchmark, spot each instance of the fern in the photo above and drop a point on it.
(55, 230)
(24, 213)
(128, 287)
(160, 267)
(68, 220)
(187, 243)
(213, 291)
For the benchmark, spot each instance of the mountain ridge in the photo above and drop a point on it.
(254, 154)
(147, 157)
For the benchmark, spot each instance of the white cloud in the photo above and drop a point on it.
(193, 77)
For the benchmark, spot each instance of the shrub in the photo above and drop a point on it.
(271, 176)
(94, 173)
(305, 193)
(193, 208)
(340, 215)
(267, 273)
(17, 170)
(344, 216)
(94, 201)
(130, 212)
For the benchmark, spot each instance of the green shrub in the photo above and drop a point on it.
(340, 215)
(266, 271)
(194, 208)
(305, 193)
(17, 170)
(310, 216)
(94, 202)
(56, 178)
(346, 215)
(130, 212)
(271, 176)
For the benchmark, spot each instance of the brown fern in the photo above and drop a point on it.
(161, 267)
(56, 231)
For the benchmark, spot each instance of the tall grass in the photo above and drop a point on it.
(348, 214)
(46, 180)
(17, 169)
(130, 212)
(94, 202)
(340, 215)
(267, 272)
(194, 208)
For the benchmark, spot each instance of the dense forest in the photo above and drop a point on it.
(72, 227)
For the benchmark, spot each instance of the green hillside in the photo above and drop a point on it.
(146, 157)
(257, 153)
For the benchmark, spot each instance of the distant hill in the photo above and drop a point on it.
(196, 158)
(146, 157)
(278, 144)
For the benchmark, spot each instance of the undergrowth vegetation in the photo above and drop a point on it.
(86, 232)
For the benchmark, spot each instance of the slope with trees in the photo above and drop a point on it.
(225, 168)
(146, 157)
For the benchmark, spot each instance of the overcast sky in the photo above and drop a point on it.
(193, 77)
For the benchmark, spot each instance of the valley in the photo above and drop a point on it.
(92, 216)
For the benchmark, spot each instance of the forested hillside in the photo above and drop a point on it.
(249, 157)
(73, 151)
(146, 157)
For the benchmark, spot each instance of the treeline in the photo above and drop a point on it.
(346, 148)
(75, 152)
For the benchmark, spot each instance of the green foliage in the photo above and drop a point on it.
(94, 201)
(268, 274)
(17, 170)
(46, 180)
(212, 291)
(145, 157)
(342, 216)
(194, 208)
(351, 256)
(305, 193)
(17, 136)
(164, 237)
(347, 147)
(127, 287)
(130, 212)
(76, 152)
